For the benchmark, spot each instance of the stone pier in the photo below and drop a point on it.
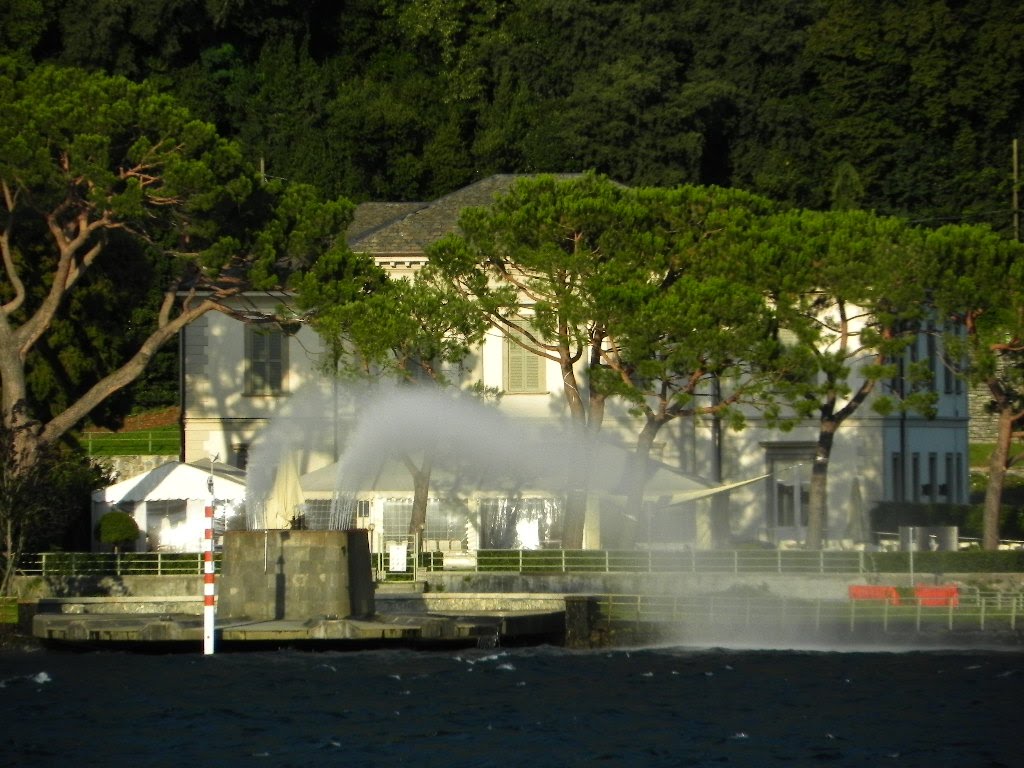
(295, 575)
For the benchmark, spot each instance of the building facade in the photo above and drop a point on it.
(252, 396)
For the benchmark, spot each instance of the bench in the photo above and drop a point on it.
(874, 592)
(942, 595)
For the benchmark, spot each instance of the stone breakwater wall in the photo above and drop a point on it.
(37, 587)
(813, 586)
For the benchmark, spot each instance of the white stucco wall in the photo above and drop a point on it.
(219, 417)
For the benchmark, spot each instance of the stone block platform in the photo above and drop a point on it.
(178, 625)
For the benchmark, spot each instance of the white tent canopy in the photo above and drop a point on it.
(173, 481)
(169, 503)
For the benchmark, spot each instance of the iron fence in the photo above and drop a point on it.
(688, 561)
(142, 443)
(114, 564)
(410, 562)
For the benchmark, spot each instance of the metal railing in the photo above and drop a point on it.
(142, 443)
(688, 561)
(542, 561)
(984, 611)
(113, 564)
(483, 561)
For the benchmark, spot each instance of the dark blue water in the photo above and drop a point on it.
(523, 707)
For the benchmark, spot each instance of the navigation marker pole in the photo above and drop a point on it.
(209, 599)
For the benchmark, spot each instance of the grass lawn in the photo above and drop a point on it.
(153, 433)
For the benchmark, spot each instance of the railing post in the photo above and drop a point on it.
(735, 562)
(821, 561)
(607, 563)
(778, 560)
(860, 562)
(563, 561)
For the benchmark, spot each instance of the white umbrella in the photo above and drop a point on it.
(285, 499)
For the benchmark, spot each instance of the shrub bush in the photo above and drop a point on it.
(118, 529)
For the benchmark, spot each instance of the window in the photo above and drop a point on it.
(266, 360)
(241, 451)
(524, 369)
(898, 477)
(445, 522)
(949, 487)
(789, 486)
(933, 478)
(520, 523)
(958, 485)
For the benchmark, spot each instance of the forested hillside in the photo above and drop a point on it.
(903, 108)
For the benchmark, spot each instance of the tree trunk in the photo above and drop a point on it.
(817, 505)
(420, 499)
(573, 519)
(575, 513)
(996, 480)
(636, 481)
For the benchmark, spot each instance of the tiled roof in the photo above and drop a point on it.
(414, 226)
(371, 216)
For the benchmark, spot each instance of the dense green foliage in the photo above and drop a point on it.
(124, 218)
(117, 528)
(980, 289)
(39, 508)
(907, 110)
(413, 98)
(115, 197)
(253, 112)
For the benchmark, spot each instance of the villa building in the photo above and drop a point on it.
(252, 397)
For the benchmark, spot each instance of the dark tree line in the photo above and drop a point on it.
(902, 108)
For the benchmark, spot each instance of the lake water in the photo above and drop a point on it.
(522, 707)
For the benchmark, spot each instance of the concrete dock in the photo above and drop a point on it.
(407, 620)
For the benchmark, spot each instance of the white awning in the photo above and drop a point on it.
(170, 482)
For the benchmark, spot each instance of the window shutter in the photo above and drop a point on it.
(524, 370)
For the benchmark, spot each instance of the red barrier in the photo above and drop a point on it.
(874, 592)
(946, 594)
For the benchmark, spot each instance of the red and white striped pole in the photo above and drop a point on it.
(209, 584)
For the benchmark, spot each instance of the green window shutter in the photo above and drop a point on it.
(524, 370)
